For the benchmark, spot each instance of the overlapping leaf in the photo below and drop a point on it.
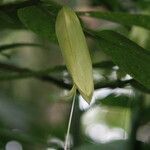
(39, 21)
(114, 145)
(118, 101)
(132, 58)
(124, 18)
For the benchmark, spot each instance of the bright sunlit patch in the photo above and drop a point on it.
(126, 91)
(13, 145)
(97, 76)
(102, 133)
(115, 68)
(127, 77)
(104, 124)
(101, 93)
(93, 116)
(113, 75)
(51, 149)
(55, 141)
(143, 133)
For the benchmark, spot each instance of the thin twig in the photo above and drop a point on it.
(16, 45)
(59, 68)
(69, 123)
(14, 6)
(44, 75)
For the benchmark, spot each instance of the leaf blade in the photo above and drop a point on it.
(37, 20)
(132, 58)
(75, 51)
(123, 18)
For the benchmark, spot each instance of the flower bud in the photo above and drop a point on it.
(75, 52)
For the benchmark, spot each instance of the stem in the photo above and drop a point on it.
(69, 123)
(76, 127)
(16, 45)
(136, 118)
(14, 6)
(43, 75)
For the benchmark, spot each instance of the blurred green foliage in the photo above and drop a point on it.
(33, 77)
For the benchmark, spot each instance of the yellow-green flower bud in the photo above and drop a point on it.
(75, 51)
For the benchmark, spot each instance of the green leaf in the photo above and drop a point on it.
(75, 51)
(6, 21)
(117, 101)
(111, 5)
(115, 145)
(124, 18)
(130, 57)
(16, 45)
(39, 20)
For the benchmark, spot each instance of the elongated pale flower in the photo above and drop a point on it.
(75, 51)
